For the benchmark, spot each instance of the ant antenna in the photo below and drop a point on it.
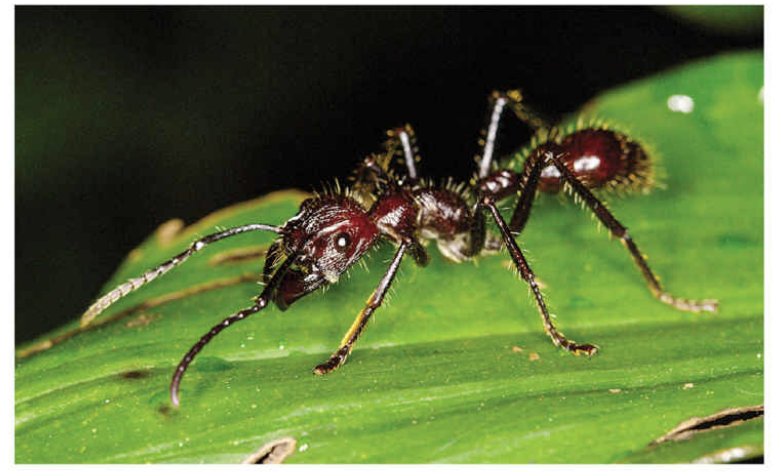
(132, 284)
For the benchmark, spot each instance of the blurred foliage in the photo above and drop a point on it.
(731, 19)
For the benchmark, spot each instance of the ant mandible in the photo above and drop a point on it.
(332, 231)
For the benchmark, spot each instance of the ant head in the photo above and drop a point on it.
(327, 236)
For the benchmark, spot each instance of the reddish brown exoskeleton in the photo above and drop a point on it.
(332, 231)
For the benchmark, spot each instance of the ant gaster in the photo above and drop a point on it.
(334, 230)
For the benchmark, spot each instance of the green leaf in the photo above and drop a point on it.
(724, 19)
(446, 371)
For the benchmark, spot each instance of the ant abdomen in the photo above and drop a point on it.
(599, 158)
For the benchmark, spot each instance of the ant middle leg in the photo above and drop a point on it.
(492, 187)
(504, 183)
(528, 275)
(375, 301)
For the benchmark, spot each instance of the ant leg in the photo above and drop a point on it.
(621, 232)
(345, 347)
(528, 275)
(272, 255)
(260, 303)
(418, 252)
(131, 285)
(404, 137)
(503, 183)
(528, 187)
(477, 233)
(498, 102)
(524, 113)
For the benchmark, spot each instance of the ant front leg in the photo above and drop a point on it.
(272, 255)
(375, 301)
(528, 275)
(261, 302)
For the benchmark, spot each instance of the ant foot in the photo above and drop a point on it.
(707, 305)
(333, 363)
(582, 349)
(324, 368)
(690, 305)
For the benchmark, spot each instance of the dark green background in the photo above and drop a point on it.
(128, 116)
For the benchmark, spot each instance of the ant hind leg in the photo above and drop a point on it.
(621, 232)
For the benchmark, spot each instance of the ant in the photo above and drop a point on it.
(332, 231)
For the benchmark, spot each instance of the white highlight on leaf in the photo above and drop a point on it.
(725, 456)
(680, 103)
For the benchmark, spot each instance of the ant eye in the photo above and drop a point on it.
(342, 241)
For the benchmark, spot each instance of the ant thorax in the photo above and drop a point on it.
(427, 213)
(444, 216)
(395, 214)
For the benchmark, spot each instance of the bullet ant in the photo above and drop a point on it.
(332, 231)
